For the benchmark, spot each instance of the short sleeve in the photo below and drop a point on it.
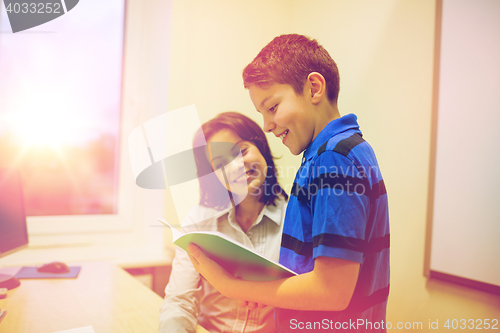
(339, 207)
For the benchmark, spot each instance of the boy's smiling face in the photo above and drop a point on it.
(289, 116)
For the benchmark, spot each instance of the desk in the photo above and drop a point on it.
(103, 295)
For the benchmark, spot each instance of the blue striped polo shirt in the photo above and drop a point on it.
(338, 208)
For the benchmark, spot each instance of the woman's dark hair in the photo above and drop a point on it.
(248, 130)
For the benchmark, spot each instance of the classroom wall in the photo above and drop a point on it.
(385, 52)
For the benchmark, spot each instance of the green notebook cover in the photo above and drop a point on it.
(235, 257)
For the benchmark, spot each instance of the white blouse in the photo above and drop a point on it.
(191, 300)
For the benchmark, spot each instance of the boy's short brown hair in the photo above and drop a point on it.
(289, 59)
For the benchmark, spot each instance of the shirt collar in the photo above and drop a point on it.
(272, 212)
(334, 127)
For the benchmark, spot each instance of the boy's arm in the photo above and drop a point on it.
(328, 287)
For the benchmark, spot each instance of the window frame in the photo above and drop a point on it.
(127, 225)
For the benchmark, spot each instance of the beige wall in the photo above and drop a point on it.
(384, 50)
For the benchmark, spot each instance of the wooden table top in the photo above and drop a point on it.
(103, 296)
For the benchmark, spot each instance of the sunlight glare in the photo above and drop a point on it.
(42, 121)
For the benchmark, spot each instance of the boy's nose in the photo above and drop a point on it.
(269, 126)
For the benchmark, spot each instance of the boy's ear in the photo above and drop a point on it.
(316, 86)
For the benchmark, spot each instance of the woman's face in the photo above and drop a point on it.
(246, 172)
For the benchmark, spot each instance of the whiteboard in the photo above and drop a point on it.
(466, 208)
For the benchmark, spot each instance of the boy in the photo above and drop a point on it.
(336, 233)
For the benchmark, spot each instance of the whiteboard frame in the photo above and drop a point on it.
(428, 272)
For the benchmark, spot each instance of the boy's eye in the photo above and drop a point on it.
(273, 108)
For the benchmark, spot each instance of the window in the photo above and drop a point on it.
(143, 96)
(60, 101)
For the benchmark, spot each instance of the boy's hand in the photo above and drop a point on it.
(217, 276)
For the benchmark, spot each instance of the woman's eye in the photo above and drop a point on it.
(273, 108)
(241, 151)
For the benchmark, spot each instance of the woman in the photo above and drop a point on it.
(243, 201)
